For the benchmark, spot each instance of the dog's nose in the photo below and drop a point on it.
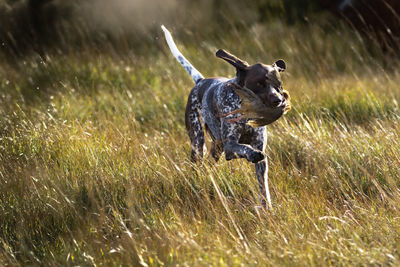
(275, 100)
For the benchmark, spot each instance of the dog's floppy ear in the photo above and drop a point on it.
(231, 59)
(241, 65)
(280, 65)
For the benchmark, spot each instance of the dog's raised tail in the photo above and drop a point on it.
(195, 74)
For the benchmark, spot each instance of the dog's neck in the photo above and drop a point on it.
(235, 81)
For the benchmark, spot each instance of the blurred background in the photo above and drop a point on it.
(95, 159)
(28, 26)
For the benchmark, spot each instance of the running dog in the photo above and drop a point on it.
(211, 108)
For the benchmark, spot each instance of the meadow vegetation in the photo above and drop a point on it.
(95, 169)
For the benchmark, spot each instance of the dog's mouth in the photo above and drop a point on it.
(285, 104)
(257, 111)
(282, 104)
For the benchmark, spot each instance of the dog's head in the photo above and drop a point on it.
(263, 80)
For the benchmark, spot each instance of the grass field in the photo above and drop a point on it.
(95, 169)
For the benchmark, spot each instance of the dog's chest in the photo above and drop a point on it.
(220, 99)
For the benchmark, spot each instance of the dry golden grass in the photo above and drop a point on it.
(95, 170)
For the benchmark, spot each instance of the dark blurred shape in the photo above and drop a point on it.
(46, 26)
(122, 26)
(376, 19)
(32, 25)
(288, 10)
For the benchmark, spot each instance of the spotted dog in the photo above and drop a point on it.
(212, 98)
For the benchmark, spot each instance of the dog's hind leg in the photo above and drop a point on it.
(216, 149)
(194, 127)
(216, 145)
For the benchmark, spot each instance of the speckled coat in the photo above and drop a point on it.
(208, 100)
(212, 98)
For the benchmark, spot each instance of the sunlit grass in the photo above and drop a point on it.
(95, 161)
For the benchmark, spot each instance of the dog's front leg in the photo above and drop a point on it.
(232, 148)
(259, 142)
(262, 177)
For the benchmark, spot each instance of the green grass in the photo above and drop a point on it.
(95, 163)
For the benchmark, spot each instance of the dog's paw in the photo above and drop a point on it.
(230, 155)
(257, 156)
